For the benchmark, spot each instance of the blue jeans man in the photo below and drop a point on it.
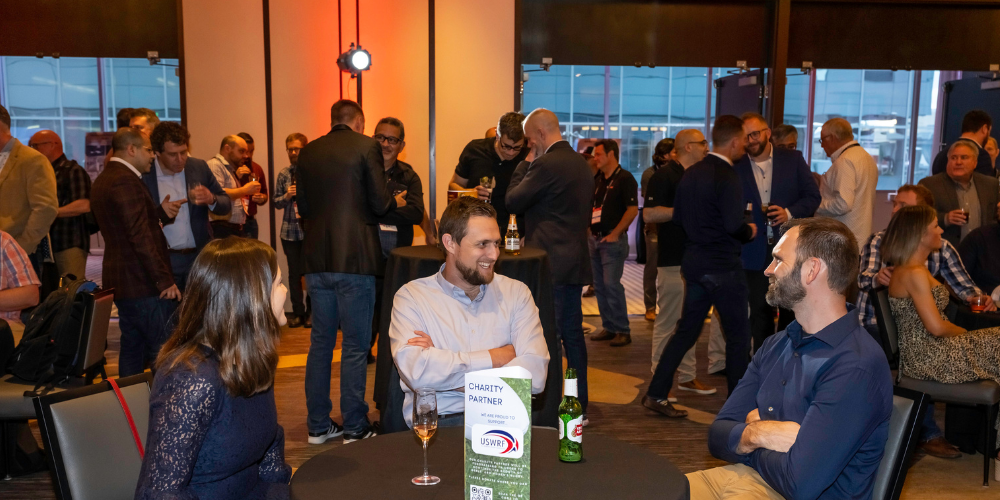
(346, 301)
(569, 324)
(608, 262)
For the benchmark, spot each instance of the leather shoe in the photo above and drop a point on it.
(940, 447)
(307, 322)
(604, 335)
(650, 316)
(294, 322)
(663, 407)
(621, 339)
(589, 292)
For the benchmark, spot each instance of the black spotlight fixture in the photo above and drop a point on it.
(355, 60)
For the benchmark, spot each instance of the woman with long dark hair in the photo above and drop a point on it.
(930, 346)
(213, 424)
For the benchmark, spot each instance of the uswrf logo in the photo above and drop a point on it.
(497, 441)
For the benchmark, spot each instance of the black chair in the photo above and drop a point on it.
(16, 408)
(904, 432)
(91, 449)
(983, 394)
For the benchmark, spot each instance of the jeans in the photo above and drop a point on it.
(649, 272)
(347, 301)
(146, 324)
(296, 264)
(569, 323)
(670, 288)
(728, 292)
(608, 262)
(180, 266)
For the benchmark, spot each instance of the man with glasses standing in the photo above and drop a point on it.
(848, 186)
(291, 230)
(778, 180)
(395, 228)
(495, 160)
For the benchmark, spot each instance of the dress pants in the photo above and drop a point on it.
(608, 263)
(347, 301)
(727, 291)
(649, 272)
(296, 262)
(223, 229)
(736, 481)
(670, 295)
(250, 229)
(569, 323)
(145, 324)
(180, 266)
(72, 261)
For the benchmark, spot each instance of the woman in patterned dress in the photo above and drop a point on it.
(930, 346)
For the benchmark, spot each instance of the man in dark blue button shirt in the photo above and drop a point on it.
(709, 206)
(810, 418)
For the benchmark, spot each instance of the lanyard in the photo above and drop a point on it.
(611, 183)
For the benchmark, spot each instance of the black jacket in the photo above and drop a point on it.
(555, 194)
(402, 177)
(195, 171)
(341, 194)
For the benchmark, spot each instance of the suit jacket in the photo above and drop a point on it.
(341, 193)
(195, 171)
(136, 263)
(984, 164)
(28, 201)
(945, 200)
(792, 187)
(555, 193)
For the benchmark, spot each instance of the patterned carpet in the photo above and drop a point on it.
(632, 279)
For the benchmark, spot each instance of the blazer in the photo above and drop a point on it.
(195, 170)
(945, 200)
(28, 201)
(341, 193)
(555, 193)
(792, 187)
(984, 164)
(136, 263)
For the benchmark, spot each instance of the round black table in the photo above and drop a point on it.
(381, 467)
(961, 314)
(406, 264)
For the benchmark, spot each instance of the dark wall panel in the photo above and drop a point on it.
(89, 28)
(706, 33)
(888, 36)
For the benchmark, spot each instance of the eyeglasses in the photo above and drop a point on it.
(509, 149)
(293, 150)
(148, 150)
(387, 138)
(755, 135)
(790, 147)
(824, 138)
(703, 142)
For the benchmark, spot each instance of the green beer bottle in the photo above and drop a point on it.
(570, 421)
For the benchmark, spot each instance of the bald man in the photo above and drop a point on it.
(555, 193)
(848, 186)
(69, 234)
(232, 155)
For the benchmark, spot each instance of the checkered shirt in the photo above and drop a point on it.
(15, 271)
(291, 226)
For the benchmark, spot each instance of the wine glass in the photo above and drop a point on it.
(191, 187)
(425, 422)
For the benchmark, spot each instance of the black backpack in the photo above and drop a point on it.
(52, 331)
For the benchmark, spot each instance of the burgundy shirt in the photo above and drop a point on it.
(262, 179)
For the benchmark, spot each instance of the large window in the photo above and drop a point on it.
(641, 106)
(64, 95)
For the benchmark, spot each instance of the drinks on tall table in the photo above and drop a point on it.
(512, 242)
(570, 421)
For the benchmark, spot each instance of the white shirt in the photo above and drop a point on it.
(179, 235)
(127, 164)
(762, 174)
(5, 152)
(730, 162)
(848, 190)
(226, 179)
(463, 331)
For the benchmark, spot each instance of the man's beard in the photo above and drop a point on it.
(786, 292)
(756, 150)
(472, 276)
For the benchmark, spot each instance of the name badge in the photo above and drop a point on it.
(387, 228)
(595, 217)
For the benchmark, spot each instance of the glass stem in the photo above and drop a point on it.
(425, 457)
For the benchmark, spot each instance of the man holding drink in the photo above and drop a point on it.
(964, 199)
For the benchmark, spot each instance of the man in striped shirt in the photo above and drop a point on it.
(18, 282)
(848, 186)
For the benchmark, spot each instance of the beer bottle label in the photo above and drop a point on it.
(571, 428)
(513, 244)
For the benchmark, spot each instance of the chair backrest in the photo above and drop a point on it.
(95, 335)
(886, 323)
(904, 430)
(91, 451)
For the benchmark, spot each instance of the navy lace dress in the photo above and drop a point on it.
(204, 443)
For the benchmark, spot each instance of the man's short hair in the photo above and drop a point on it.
(610, 146)
(125, 137)
(169, 132)
(455, 219)
(395, 122)
(924, 196)
(975, 119)
(509, 126)
(229, 140)
(750, 115)
(784, 130)
(150, 115)
(840, 128)
(246, 137)
(963, 144)
(726, 128)
(664, 147)
(345, 111)
(124, 117)
(832, 242)
(4, 116)
(296, 136)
